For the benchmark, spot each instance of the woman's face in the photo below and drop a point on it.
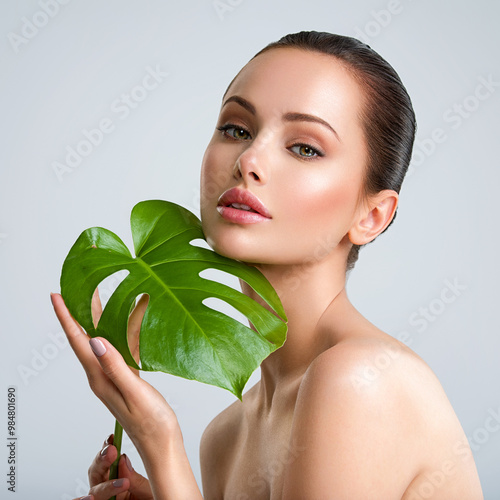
(288, 145)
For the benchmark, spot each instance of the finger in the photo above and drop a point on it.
(139, 485)
(108, 440)
(79, 341)
(77, 338)
(99, 468)
(134, 326)
(96, 308)
(118, 374)
(108, 489)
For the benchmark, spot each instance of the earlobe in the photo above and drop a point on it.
(374, 218)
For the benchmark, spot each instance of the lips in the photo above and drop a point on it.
(241, 206)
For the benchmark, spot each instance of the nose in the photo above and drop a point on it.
(249, 165)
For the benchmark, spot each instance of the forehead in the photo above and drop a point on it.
(296, 80)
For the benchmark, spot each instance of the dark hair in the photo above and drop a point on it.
(387, 116)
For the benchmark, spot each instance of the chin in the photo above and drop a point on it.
(228, 247)
(223, 240)
(248, 244)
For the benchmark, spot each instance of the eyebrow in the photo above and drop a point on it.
(302, 117)
(242, 102)
(288, 117)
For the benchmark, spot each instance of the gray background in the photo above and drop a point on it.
(66, 78)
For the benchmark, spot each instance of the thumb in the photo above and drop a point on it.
(139, 485)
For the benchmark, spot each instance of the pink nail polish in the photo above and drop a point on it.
(118, 483)
(129, 465)
(98, 347)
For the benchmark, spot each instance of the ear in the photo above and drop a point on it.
(373, 217)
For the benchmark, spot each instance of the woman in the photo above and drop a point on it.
(312, 143)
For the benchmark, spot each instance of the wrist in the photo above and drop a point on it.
(168, 468)
(156, 431)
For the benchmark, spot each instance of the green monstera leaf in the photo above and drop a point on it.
(179, 334)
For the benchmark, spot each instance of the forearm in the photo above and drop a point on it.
(168, 468)
(142, 411)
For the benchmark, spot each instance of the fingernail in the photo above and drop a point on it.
(98, 347)
(109, 439)
(88, 497)
(129, 465)
(104, 450)
(118, 483)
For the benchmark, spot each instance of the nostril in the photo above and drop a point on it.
(255, 176)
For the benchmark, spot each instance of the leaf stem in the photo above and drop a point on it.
(117, 442)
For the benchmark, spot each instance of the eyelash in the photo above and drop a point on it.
(229, 126)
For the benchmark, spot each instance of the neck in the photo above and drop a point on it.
(315, 302)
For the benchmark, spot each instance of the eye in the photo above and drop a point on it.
(235, 132)
(305, 151)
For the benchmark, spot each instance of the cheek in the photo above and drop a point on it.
(215, 176)
(323, 205)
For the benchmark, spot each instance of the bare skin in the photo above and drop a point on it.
(342, 410)
(341, 424)
(319, 424)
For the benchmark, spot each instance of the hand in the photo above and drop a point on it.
(141, 410)
(130, 486)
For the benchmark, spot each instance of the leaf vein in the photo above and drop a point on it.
(187, 313)
(161, 242)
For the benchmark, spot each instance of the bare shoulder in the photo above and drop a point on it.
(380, 382)
(371, 364)
(218, 446)
(220, 432)
(370, 407)
(382, 378)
